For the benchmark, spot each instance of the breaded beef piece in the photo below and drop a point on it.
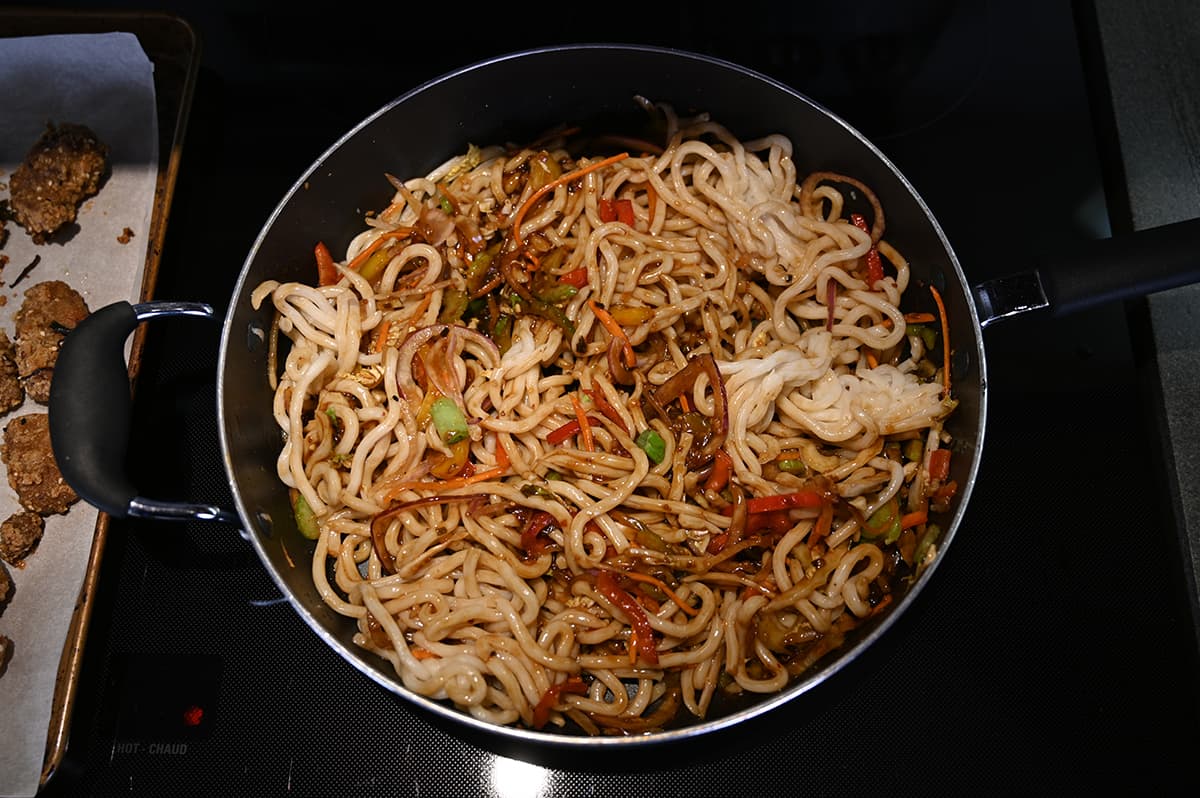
(20, 534)
(12, 392)
(65, 166)
(6, 647)
(32, 470)
(50, 310)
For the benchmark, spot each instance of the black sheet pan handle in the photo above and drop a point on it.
(1108, 269)
(90, 410)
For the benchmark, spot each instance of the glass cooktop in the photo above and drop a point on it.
(1052, 651)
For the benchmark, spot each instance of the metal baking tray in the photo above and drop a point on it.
(173, 47)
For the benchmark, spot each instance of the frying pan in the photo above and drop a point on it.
(516, 97)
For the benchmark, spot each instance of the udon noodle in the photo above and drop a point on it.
(590, 439)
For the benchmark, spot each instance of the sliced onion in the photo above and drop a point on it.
(616, 363)
(878, 224)
(379, 524)
(408, 349)
(435, 226)
(458, 339)
(684, 380)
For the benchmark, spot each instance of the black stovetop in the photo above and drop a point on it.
(1053, 650)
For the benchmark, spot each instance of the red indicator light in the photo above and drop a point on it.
(193, 715)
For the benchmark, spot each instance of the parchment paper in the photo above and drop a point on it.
(104, 81)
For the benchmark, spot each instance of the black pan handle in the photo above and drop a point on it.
(90, 409)
(1106, 270)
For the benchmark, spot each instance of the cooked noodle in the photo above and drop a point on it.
(595, 439)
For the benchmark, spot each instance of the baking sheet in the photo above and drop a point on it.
(106, 81)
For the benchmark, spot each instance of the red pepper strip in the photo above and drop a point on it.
(643, 634)
(616, 211)
(874, 264)
(945, 493)
(605, 407)
(811, 499)
(774, 520)
(939, 464)
(541, 712)
(327, 273)
(625, 211)
(874, 267)
(568, 430)
(576, 277)
(718, 478)
(538, 523)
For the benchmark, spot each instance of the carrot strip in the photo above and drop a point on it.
(394, 206)
(381, 340)
(615, 331)
(553, 184)
(422, 653)
(533, 262)
(915, 518)
(911, 318)
(823, 525)
(872, 361)
(502, 459)
(883, 602)
(937, 297)
(421, 308)
(361, 257)
(650, 580)
(447, 484)
(585, 426)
